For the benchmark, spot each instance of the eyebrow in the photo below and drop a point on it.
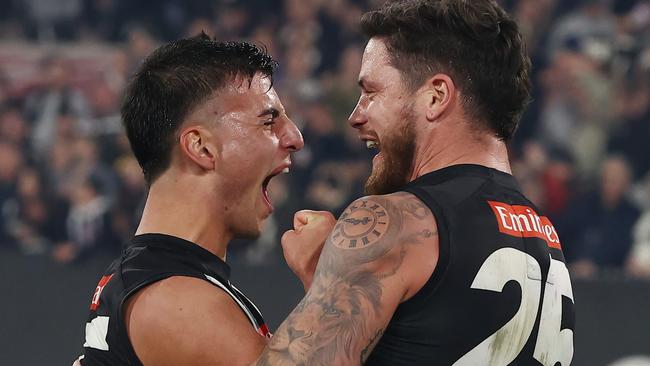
(365, 84)
(269, 111)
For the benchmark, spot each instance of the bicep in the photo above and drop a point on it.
(184, 320)
(365, 271)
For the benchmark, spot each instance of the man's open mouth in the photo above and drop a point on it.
(265, 192)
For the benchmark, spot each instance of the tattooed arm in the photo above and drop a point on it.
(380, 253)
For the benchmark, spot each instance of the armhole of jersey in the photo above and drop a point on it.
(235, 298)
(437, 276)
(257, 314)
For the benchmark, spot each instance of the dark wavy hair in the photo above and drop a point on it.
(475, 42)
(172, 81)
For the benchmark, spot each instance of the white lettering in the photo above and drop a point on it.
(557, 237)
(503, 216)
(518, 220)
(98, 291)
(533, 219)
(547, 232)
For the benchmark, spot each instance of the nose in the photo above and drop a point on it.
(291, 138)
(357, 117)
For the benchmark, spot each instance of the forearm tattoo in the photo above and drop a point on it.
(331, 326)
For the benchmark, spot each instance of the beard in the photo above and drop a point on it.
(398, 152)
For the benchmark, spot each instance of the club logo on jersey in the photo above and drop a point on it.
(98, 291)
(523, 221)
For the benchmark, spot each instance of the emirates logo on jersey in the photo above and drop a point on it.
(523, 221)
(98, 291)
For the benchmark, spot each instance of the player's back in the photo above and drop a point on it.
(500, 294)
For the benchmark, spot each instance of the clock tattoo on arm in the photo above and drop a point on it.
(362, 224)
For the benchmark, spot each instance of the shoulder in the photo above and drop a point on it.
(395, 217)
(395, 235)
(176, 290)
(184, 320)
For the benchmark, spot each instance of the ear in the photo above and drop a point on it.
(440, 92)
(196, 144)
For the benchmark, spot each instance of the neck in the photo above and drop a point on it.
(174, 209)
(462, 147)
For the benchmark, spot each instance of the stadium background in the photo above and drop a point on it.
(71, 193)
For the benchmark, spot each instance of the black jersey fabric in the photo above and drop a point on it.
(496, 253)
(150, 258)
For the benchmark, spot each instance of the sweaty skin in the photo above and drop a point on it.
(227, 147)
(383, 248)
(379, 254)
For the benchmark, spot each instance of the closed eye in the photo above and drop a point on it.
(269, 112)
(366, 88)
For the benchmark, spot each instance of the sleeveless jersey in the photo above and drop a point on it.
(150, 258)
(500, 293)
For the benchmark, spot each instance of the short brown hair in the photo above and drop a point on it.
(474, 41)
(173, 80)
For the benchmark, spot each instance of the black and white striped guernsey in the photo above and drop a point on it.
(500, 294)
(150, 258)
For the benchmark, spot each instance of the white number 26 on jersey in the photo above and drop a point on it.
(553, 344)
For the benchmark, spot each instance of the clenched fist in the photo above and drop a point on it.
(302, 245)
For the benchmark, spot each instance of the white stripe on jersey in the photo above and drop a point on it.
(241, 305)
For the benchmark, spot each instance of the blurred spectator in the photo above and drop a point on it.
(27, 214)
(54, 20)
(545, 177)
(10, 164)
(231, 21)
(529, 170)
(576, 112)
(56, 96)
(341, 88)
(103, 18)
(298, 79)
(140, 44)
(559, 180)
(632, 133)
(87, 166)
(68, 178)
(534, 17)
(334, 183)
(638, 264)
(4, 87)
(590, 24)
(14, 129)
(340, 26)
(131, 197)
(88, 224)
(597, 231)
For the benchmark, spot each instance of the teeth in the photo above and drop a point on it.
(371, 144)
(285, 170)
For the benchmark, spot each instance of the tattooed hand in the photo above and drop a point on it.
(380, 253)
(302, 246)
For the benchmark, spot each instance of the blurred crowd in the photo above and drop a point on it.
(69, 186)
